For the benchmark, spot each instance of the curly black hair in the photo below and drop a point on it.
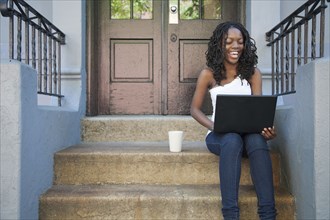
(215, 54)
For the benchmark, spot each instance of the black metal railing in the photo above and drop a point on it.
(41, 42)
(298, 37)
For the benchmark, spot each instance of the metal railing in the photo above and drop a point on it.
(41, 42)
(293, 40)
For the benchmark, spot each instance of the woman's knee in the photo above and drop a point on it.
(233, 139)
(255, 142)
(230, 141)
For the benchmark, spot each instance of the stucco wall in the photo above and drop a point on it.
(30, 132)
(303, 140)
(30, 135)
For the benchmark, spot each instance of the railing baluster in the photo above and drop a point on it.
(313, 43)
(299, 46)
(282, 62)
(287, 65)
(11, 32)
(27, 36)
(54, 68)
(322, 21)
(306, 38)
(50, 71)
(45, 62)
(273, 64)
(293, 34)
(277, 67)
(39, 57)
(19, 39)
(33, 47)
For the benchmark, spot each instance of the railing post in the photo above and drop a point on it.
(59, 75)
(11, 31)
(322, 24)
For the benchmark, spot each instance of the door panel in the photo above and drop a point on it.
(130, 61)
(148, 62)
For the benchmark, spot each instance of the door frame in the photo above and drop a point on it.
(92, 46)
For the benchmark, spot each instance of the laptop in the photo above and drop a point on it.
(244, 113)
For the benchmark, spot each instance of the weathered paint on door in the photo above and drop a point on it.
(148, 66)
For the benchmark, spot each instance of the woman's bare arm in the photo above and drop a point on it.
(203, 83)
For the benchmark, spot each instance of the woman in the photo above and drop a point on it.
(231, 60)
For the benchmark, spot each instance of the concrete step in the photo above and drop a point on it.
(143, 163)
(150, 202)
(139, 128)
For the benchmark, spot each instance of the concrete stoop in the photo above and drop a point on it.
(141, 179)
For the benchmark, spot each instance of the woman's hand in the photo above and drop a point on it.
(269, 133)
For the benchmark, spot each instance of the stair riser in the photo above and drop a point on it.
(149, 208)
(147, 169)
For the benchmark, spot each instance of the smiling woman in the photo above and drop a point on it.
(231, 59)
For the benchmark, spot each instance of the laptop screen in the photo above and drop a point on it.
(244, 113)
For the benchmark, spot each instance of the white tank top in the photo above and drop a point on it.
(235, 87)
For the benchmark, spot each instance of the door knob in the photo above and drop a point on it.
(174, 9)
(173, 37)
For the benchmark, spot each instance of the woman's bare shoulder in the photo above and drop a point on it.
(206, 73)
(206, 77)
(256, 77)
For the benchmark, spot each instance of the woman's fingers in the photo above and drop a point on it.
(269, 133)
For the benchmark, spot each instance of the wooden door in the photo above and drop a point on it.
(150, 52)
(129, 57)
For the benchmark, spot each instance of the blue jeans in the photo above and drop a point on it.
(230, 148)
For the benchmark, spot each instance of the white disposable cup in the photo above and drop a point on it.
(175, 140)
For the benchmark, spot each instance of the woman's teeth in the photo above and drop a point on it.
(234, 54)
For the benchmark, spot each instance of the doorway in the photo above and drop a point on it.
(146, 55)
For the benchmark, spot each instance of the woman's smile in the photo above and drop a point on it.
(234, 44)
